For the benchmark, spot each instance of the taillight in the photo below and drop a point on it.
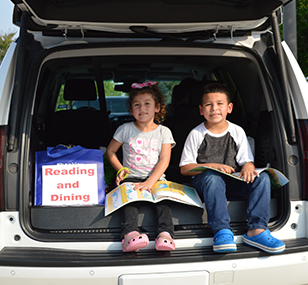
(304, 140)
(1, 168)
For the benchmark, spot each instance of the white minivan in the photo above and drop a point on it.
(181, 44)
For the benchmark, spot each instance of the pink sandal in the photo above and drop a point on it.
(164, 242)
(133, 241)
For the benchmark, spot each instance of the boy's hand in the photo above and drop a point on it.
(222, 167)
(248, 172)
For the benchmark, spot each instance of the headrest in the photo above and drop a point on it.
(180, 91)
(195, 93)
(80, 89)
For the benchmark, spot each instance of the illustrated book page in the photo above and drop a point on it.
(161, 190)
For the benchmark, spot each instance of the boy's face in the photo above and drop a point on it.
(215, 107)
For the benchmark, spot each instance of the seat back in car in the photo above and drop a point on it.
(78, 127)
(186, 116)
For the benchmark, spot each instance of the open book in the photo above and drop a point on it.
(277, 178)
(161, 190)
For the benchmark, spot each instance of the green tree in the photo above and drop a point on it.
(302, 32)
(5, 42)
(109, 89)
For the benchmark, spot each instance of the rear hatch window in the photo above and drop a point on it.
(170, 16)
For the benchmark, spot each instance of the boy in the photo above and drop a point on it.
(222, 145)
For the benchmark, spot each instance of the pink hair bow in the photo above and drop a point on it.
(144, 84)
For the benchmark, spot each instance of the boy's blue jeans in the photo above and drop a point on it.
(214, 188)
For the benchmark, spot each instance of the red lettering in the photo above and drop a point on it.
(78, 197)
(67, 198)
(72, 171)
(54, 197)
(48, 171)
(73, 197)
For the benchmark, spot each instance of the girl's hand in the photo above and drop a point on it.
(111, 154)
(144, 186)
(121, 176)
(248, 172)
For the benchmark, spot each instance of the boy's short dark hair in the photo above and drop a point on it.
(216, 87)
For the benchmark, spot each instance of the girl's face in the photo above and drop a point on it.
(143, 108)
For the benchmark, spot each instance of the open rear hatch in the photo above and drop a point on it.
(124, 19)
(158, 16)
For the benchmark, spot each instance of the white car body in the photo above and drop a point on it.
(33, 255)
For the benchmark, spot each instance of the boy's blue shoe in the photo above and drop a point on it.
(265, 241)
(224, 241)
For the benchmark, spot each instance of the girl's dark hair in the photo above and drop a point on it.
(157, 96)
(216, 87)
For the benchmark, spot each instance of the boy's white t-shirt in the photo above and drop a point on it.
(230, 147)
(141, 150)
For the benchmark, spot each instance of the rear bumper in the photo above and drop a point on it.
(199, 266)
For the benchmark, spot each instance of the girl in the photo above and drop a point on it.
(146, 154)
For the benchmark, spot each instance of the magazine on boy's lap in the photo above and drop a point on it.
(161, 190)
(277, 178)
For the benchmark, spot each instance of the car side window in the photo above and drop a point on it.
(116, 100)
(61, 104)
